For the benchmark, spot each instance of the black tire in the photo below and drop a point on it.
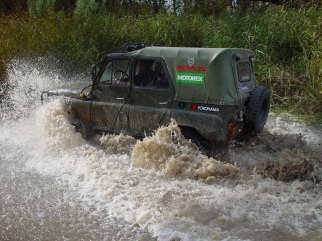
(257, 109)
(208, 148)
(191, 134)
(86, 132)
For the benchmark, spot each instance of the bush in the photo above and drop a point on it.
(40, 7)
(287, 43)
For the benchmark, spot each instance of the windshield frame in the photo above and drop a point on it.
(104, 64)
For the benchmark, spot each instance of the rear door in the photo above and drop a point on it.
(151, 100)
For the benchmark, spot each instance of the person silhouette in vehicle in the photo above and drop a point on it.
(160, 79)
(144, 74)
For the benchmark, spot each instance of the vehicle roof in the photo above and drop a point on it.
(219, 85)
(181, 52)
(178, 52)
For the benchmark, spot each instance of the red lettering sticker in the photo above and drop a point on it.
(191, 68)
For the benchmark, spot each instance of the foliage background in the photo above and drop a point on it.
(287, 39)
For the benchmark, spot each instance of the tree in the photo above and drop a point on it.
(67, 6)
(9, 6)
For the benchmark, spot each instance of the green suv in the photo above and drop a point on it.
(210, 92)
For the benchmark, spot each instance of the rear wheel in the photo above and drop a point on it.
(208, 148)
(257, 110)
(191, 134)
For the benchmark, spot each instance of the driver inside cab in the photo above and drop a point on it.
(143, 73)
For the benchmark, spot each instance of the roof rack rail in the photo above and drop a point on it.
(129, 47)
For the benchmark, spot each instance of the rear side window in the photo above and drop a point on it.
(244, 71)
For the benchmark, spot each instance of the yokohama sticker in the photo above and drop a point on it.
(205, 108)
(190, 78)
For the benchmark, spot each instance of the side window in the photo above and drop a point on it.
(160, 79)
(244, 71)
(106, 77)
(150, 74)
(116, 72)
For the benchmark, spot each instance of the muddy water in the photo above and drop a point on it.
(54, 185)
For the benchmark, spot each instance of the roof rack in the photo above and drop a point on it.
(129, 47)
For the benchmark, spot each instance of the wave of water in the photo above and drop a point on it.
(55, 185)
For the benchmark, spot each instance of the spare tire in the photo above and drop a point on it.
(257, 108)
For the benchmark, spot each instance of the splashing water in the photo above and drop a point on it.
(170, 152)
(57, 186)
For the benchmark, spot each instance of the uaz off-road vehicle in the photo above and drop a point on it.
(211, 92)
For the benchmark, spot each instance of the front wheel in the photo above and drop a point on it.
(86, 131)
(257, 110)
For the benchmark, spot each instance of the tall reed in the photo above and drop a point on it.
(287, 43)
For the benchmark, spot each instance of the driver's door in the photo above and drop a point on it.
(149, 103)
(110, 94)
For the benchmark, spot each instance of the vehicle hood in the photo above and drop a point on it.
(71, 90)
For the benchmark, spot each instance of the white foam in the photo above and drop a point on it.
(283, 125)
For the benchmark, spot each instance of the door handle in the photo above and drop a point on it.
(163, 103)
(120, 98)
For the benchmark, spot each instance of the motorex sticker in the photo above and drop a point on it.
(190, 78)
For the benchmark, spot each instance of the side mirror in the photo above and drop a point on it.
(93, 73)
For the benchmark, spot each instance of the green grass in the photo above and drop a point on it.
(287, 43)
